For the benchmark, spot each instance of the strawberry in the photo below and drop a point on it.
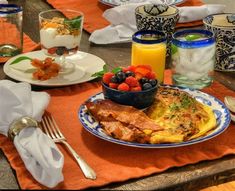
(51, 50)
(107, 77)
(123, 87)
(131, 81)
(129, 68)
(151, 75)
(145, 66)
(113, 85)
(142, 71)
(136, 89)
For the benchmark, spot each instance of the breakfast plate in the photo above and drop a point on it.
(220, 110)
(114, 3)
(80, 68)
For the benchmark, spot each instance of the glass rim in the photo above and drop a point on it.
(144, 41)
(217, 26)
(60, 11)
(16, 8)
(193, 44)
(170, 15)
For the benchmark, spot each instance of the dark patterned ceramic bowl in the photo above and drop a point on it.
(223, 27)
(157, 17)
(140, 99)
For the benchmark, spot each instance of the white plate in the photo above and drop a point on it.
(114, 3)
(82, 66)
(220, 110)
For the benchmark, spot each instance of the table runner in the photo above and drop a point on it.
(112, 162)
(93, 11)
(28, 45)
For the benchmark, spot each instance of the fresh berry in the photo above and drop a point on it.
(129, 68)
(145, 66)
(60, 50)
(143, 80)
(107, 77)
(150, 75)
(153, 82)
(136, 89)
(138, 76)
(120, 76)
(114, 79)
(142, 71)
(51, 50)
(130, 73)
(146, 86)
(131, 81)
(113, 85)
(123, 87)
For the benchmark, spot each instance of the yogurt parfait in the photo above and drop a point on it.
(193, 58)
(59, 35)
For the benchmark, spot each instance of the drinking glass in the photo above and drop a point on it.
(59, 36)
(193, 58)
(223, 27)
(149, 48)
(158, 17)
(11, 38)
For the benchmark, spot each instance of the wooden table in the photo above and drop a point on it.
(190, 177)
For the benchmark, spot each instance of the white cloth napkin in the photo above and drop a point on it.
(3, 2)
(39, 153)
(123, 23)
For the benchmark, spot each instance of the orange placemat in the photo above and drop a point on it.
(113, 162)
(28, 45)
(93, 11)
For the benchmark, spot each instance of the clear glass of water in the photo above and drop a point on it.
(193, 58)
(11, 38)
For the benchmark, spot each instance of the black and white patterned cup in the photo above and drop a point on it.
(158, 17)
(223, 27)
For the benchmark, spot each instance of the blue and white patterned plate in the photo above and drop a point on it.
(114, 3)
(220, 110)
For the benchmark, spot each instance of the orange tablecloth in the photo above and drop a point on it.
(112, 162)
(28, 45)
(93, 11)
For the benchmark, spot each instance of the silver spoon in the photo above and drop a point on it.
(230, 103)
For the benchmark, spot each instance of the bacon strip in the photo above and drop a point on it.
(122, 122)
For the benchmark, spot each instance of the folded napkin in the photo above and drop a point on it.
(39, 153)
(123, 23)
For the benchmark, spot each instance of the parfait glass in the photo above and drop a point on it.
(60, 35)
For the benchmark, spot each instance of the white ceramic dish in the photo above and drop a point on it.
(82, 66)
(220, 110)
(114, 3)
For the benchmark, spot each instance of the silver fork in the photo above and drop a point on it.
(49, 126)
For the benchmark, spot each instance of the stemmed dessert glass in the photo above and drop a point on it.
(60, 36)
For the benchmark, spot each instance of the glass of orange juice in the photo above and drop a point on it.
(149, 48)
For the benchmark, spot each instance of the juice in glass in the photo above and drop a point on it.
(149, 48)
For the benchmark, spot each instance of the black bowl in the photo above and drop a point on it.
(139, 99)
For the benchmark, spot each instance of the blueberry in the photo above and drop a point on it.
(130, 73)
(114, 79)
(143, 80)
(60, 50)
(146, 86)
(153, 82)
(121, 76)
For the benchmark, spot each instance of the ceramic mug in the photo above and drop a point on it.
(223, 27)
(157, 17)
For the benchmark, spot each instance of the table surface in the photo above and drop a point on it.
(190, 177)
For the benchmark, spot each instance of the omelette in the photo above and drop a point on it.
(181, 115)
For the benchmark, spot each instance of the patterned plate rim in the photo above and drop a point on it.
(109, 3)
(215, 133)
